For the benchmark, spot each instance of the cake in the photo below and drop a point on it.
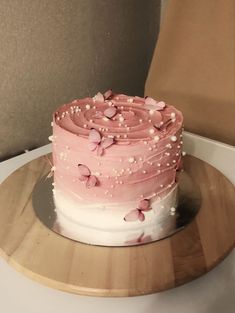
(116, 159)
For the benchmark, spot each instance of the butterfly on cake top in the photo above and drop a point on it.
(115, 163)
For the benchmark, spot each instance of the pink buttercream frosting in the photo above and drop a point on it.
(142, 161)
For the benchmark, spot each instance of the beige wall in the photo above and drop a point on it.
(193, 66)
(52, 51)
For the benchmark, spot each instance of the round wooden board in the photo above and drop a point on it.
(123, 271)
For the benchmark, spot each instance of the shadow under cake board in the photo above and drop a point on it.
(71, 266)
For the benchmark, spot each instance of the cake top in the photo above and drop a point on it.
(118, 119)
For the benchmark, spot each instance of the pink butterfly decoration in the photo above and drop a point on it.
(108, 94)
(97, 143)
(137, 214)
(141, 239)
(99, 97)
(109, 112)
(152, 104)
(85, 176)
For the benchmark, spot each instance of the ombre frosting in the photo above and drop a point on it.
(112, 152)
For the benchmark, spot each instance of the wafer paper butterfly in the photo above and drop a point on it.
(152, 104)
(102, 97)
(85, 176)
(98, 143)
(109, 113)
(138, 214)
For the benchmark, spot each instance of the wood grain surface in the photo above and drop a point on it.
(70, 266)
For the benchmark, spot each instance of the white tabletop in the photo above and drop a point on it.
(211, 293)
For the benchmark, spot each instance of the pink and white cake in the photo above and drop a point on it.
(116, 159)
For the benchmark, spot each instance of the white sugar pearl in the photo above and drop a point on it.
(150, 148)
(88, 106)
(105, 119)
(50, 138)
(144, 172)
(151, 131)
(161, 186)
(156, 138)
(52, 123)
(167, 164)
(151, 112)
(173, 138)
(121, 119)
(173, 209)
(174, 161)
(159, 164)
(173, 115)
(130, 100)
(183, 153)
(131, 159)
(140, 120)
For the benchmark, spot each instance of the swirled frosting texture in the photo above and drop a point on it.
(141, 163)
